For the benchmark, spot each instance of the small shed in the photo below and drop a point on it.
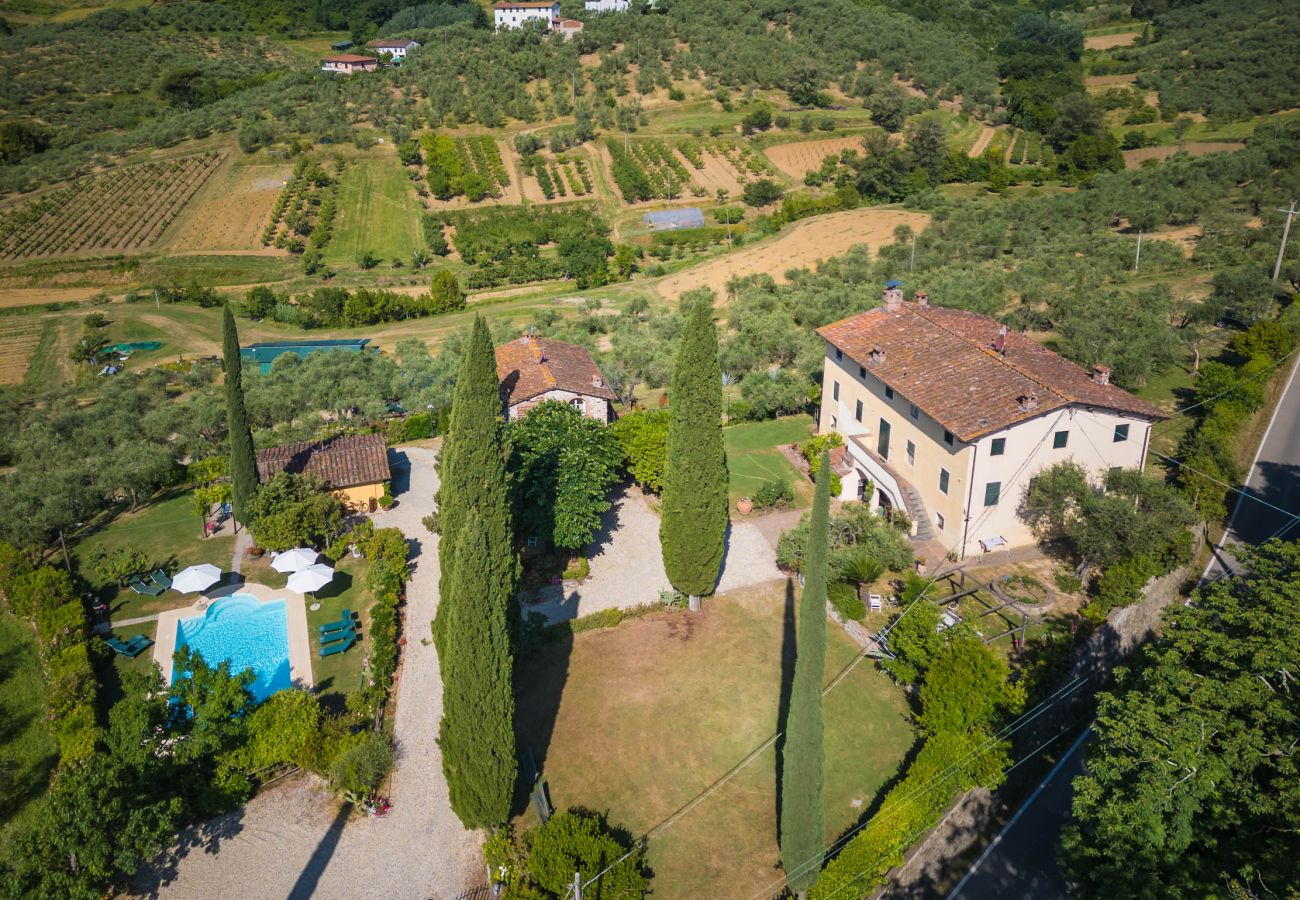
(672, 219)
(340, 45)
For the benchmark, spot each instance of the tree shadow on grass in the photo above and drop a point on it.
(788, 654)
(341, 583)
(541, 673)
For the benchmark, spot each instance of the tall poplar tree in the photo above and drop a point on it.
(803, 819)
(477, 734)
(243, 459)
(694, 520)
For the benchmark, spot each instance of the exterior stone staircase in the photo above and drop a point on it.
(920, 517)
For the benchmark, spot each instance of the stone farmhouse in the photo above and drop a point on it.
(533, 370)
(348, 63)
(946, 416)
(397, 49)
(517, 13)
(355, 467)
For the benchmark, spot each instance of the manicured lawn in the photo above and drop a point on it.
(341, 673)
(639, 719)
(754, 460)
(26, 743)
(378, 211)
(170, 534)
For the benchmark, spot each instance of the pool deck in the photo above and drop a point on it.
(295, 615)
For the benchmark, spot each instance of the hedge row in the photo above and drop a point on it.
(691, 237)
(46, 597)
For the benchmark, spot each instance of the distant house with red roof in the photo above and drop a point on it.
(568, 28)
(946, 415)
(347, 63)
(533, 370)
(517, 13)
(355, 467)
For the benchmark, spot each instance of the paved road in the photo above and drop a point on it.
(1021, 860)
(1274, 478)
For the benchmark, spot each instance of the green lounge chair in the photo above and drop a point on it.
(161, 579)
(336, 636)
(128, 649)
(344, 622)
(140, 586)
(339, 647)
(140, 642)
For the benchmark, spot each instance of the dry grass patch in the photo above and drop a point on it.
(808, 242)
(802, 157)
(1134, 158)
(1107, 41)
(231, 209)
(638, 720)
(20, 338)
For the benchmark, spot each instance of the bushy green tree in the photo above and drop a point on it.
(295, 511)
(1191, 786)
(445, 291)
(803, 818)
(694, 518)
(243, 459)
(643, 437)
(477, 729)
(964, 687)
(579, 841)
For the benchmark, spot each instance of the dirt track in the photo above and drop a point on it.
(982, 142)
(803, 245)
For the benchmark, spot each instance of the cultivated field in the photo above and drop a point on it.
(1107, 41)
(798, 159)
(547, 177)
(378, 211)
(1135, 158)
(231, 209)
(808, 242)
(19, 336)
(126, 208)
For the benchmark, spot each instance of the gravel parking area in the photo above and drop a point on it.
(627, 569)
(293, 841)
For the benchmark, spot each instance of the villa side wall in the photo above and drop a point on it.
(360, 496)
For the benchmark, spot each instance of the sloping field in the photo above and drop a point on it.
(802, 157)
(231, 209)
(803, 245)
(20, 337)
(1135, 158)
(378, 212)
(1107, 41)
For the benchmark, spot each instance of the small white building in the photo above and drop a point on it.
(347, 63)
(607, 5)
(516, 14)
(947, 416)
(397, 49)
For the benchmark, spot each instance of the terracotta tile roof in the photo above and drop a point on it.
(531, 366)
(343, 462)
(944, 361)
(526, 4)
(352, 58)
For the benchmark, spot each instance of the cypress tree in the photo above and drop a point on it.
(803, 820)
(243, 459)
(477, 730)
(473, 473)
(694, 521)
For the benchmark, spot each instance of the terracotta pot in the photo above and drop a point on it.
(744, 506)
(256, 552)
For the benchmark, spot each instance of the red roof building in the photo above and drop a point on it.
(533, 370)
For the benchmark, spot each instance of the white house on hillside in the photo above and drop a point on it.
(397, 49)
(947, 416)
(607, 5)
(515, 13)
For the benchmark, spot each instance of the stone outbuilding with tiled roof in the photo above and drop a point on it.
(533, 370)
(947, 415)
(353, 466)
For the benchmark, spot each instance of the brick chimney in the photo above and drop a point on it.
(1100, 374)
(597, 381)
(891, 299)
(1028, 401)
(877, 355)
(1000, 341)
(922, 298)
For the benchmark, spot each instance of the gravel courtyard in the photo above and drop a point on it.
(628, 570)
(292, 841)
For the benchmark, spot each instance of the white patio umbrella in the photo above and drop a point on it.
(312, 578)
(196, 578)
(294, 560)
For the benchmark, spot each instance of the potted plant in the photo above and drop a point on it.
(386, 501)
(744, 506)
(256, 552)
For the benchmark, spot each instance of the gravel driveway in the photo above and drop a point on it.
(291, 840)
(627, 568)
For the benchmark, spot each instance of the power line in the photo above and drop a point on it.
(1224, 393)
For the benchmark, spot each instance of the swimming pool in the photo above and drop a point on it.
(247, 633)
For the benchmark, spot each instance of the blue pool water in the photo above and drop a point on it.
(249, 634)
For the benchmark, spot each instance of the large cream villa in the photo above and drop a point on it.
(948, 416)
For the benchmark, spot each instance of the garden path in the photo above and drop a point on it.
(290, 842)
(627, 569)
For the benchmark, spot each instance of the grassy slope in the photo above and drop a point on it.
(379, 212)
(622, 743)
(25, 739)
(754, 460)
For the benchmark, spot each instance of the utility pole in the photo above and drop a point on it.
(577, 886)
(1137, 258)
(1286, 230)
(912, 263)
